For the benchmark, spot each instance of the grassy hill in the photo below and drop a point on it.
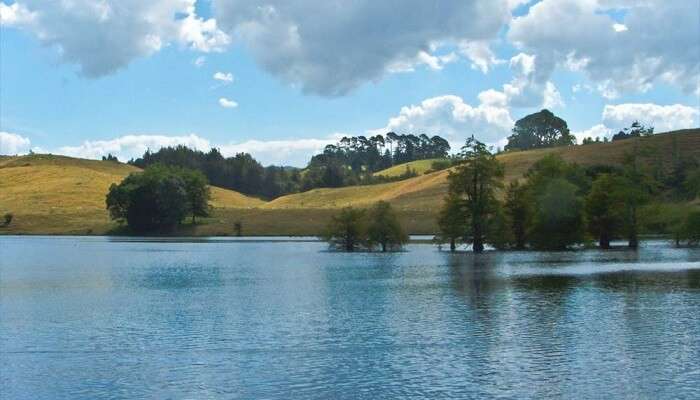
(62, 195)
(420, 166)
(57, 194)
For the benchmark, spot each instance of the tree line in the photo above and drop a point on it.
(559, 205)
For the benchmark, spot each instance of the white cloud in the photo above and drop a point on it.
(294, 152)
(449, 116)
(226, 103)
(597, 131)
(131, 146)
(199, 61)
(12, 143)
(435, 63)
(329, 49)
(528, 88)
(105, 36)
(480, 55)
(662, 118)
(654, 40)
(14, 14)
(224, 77)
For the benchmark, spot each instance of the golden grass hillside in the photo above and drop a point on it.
(425, 192)
(57, 194)
(419, 166)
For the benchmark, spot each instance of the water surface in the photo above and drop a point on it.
(86, 317)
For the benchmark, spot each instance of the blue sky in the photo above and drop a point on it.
(85, 80)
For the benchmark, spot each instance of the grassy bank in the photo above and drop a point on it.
(63, 195)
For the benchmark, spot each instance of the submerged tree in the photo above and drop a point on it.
(474, 184)
(518, 208)
(384, 228)
(605, 208)
(558, 218)
(346, 231)
(452, 221)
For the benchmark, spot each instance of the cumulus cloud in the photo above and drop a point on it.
(662, 118)
(131, 146)
(104, 36)
(224, 77)
(12, 143)
(329, 49)
(528, 88)
(655, 40)
(480, 55)
(449, 116)
(226, 103)
(294, 152)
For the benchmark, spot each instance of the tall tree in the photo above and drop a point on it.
(452, 221)
(638, 185)
(558, 218)
(518, 208)
(637, 129)
(347, 231)
(541, 129)
(605, 208)
(385, 229)
(474, 182)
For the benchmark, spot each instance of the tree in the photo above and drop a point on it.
(638, 185)
(637, 129)
(7, 219)
(474, 183)
(385, 229)
(110, 157)
(156, 199)
(347, 230)
(198, 193)
(238, 228)
(518, 208)
(452, 221)
(541, 129)
(605, 208)
(689, 230)
(558, 218)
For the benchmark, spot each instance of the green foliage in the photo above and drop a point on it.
(110, 157)
(605, 208)
(473, 184)
(7, 219)
(518, 213)
(688, 232)
(539, 130)
(558, 218)
(158, 199)
(384, 229)
(500, 230)
(439, 165)
(452, 221)
(347, 231)
(635, 130)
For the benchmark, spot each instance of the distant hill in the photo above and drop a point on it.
(63, 195)
(57, 194)
(419, 166)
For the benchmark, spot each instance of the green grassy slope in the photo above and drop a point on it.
(420, 166)
(61, 195)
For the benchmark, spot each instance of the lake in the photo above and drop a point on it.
(113, 318)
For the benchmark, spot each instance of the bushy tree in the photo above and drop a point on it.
(198, 193)
(558, 218)
(605, 208)
(157, 199)
(474, 183)
(348, 230)
(452, 221)
(384, 228)
(688, 231)
(518, 209)
(637, 129)
(538, 130)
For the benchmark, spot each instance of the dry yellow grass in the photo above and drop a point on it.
(62, 195)
(426, 192)
(56, 194)
(420, 167)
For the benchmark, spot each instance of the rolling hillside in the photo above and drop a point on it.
(57, 194)
(425, 192)
(420, 166)
(63, 195)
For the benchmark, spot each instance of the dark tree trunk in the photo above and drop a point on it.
(604, 241)
(633, 240)
(453, 245)
(383, 247)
